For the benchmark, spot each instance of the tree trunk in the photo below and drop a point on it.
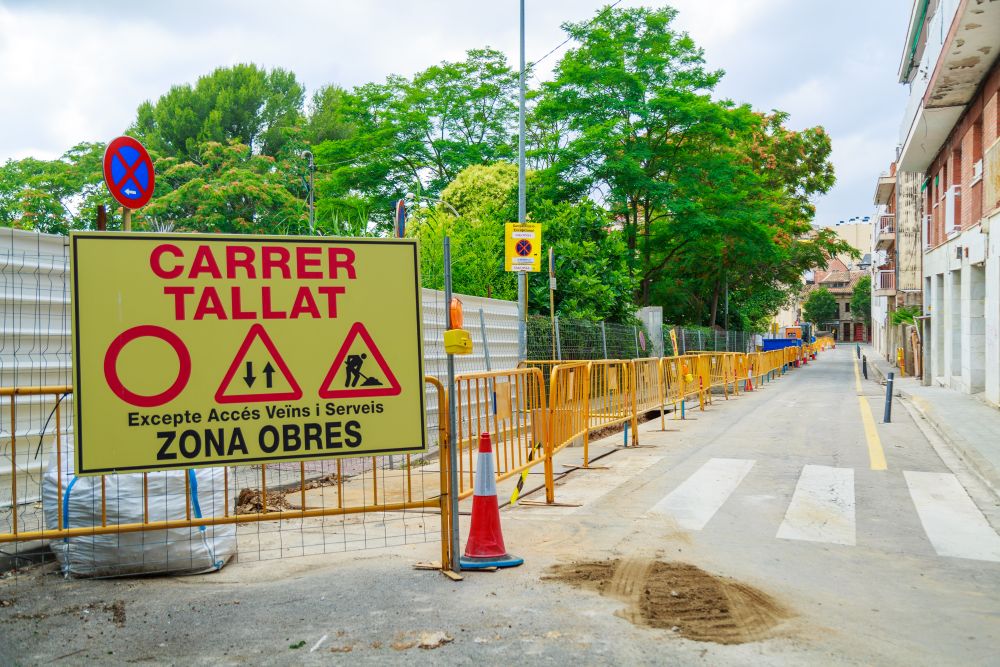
(715, 303)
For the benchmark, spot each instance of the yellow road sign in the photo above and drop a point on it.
(523, 247)
(204, 350)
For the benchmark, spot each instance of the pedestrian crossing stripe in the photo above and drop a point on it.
(524, 474)
(700, 496)
(822, 507)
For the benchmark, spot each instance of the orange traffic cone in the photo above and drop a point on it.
(485, 547)
(749, 382)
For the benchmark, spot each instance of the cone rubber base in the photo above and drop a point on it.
(507, 560)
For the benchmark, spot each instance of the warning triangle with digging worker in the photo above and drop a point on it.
(359, 370)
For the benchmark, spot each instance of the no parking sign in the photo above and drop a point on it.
(128, 172)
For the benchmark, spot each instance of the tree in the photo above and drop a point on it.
(416, 135)
(820, 307)
(633, 95)
(55, 196)
(230, 190)
(328, 116)
(242, 103)
(711, 197)
(861, 298)
(594, 281)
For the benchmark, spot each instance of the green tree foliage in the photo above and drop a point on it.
(861, 298)
(708, 194)
(230, 189)
(328, 118)
(820, 308)
(593, 279)
(903, 315)
(416, 135)
(55, 196)
(242, 103)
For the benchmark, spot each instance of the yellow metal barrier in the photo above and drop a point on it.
(650, 393)
(569, 409)
(680, 381)
(702, 377)
(612, 390)
(510, 406)
(345, 505)
(719, 370)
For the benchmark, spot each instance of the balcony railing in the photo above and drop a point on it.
(885, 232)
(886, 224)
(885, 280)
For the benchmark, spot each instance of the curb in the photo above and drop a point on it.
(976, 463)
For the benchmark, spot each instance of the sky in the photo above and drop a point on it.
(76, 71)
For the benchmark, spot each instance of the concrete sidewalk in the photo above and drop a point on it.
(969, 426)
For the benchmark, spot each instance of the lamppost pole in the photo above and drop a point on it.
(522, 277)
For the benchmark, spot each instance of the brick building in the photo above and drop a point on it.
(949, 145)
(840, 280)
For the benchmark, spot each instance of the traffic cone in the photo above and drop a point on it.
(749, 382)
(485, 547)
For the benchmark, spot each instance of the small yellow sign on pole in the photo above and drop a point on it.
(523, 247)
(206, 350)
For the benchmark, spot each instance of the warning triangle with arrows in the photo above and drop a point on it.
(359, 370)
(258, 373)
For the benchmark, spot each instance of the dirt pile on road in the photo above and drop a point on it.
(679, 597)
(250, 501)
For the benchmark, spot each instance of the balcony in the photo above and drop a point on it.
(884, 283)
(885, 232)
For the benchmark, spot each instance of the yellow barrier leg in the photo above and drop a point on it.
(550, 485)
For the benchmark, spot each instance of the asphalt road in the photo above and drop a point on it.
(836, 543)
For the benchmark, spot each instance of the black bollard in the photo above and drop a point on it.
(887, 417)
(858, 350)
(864, 366)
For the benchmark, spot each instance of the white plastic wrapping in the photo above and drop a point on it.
(176, 551)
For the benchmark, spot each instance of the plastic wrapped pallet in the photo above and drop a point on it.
(175, 551)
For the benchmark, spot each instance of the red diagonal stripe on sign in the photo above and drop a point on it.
(130, 171)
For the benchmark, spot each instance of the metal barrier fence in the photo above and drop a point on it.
(510, 405)
(527, 429)
(377, 504)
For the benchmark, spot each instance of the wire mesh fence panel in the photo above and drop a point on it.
(703, 339)
(34, 351)
(262, 511)
(572, 339)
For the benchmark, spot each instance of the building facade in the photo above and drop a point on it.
(858, 236)
(896, 259)
(949, 146)
(840, 281)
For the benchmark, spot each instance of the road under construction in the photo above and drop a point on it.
(783, 525)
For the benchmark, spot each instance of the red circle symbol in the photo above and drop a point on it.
(523, 247)
(128, 171)
(144, 331)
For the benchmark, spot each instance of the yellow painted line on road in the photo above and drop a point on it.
(876, 455)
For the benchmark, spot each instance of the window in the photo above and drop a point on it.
(847, 306)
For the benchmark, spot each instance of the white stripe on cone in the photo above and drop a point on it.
(485, 484)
